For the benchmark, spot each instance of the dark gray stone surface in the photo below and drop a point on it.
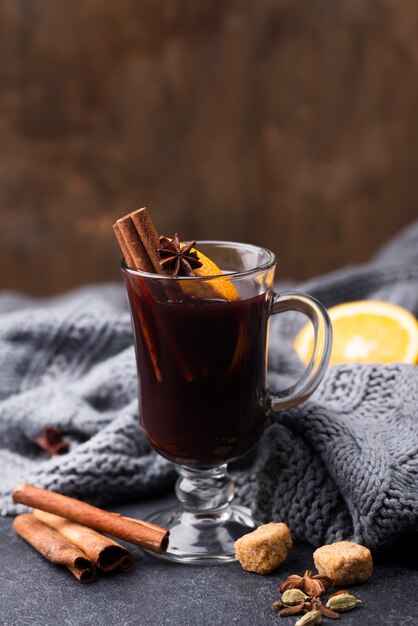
(34, 592)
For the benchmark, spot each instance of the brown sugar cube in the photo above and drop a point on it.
(346, 562)
(264, 549)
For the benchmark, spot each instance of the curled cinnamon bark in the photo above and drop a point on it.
(129, 260)
(141, 533)
(148, 236)
(136, 256)
(105, 553)
(139, 242)
(53, 546)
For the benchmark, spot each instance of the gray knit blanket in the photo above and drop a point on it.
(342, 465)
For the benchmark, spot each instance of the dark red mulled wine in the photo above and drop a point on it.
(202, 373)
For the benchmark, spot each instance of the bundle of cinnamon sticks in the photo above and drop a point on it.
(65, 531)
(139, 241)
(140, 244)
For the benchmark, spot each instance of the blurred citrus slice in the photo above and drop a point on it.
(221, 287)
(366, 331)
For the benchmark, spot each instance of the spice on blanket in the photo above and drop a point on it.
(51, 441)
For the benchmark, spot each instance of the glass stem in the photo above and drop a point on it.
(204, 491)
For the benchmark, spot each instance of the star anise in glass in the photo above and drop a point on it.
(314, 586)
(178, 260)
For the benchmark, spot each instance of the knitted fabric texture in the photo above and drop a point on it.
(342, 465)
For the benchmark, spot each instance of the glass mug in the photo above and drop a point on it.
(203, 395)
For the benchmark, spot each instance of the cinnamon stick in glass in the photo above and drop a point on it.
(134, 251)
(105, 553)
(141, 533)
(129, 260)
(136, 258)
(149, 237)
(139, 242)
(53, 546)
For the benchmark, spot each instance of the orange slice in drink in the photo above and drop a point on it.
(221, 287)
(366, 331)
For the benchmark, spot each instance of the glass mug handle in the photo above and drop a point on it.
(314, 373)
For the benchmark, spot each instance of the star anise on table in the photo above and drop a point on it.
(177, 260)
(313, 586)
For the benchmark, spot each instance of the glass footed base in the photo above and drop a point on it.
(203, 538)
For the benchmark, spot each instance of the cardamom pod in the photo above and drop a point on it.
(310, 619)
(343, 602)
(277, 606)
(293, 596)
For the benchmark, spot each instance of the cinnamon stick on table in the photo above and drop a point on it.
(141, 533)
(52, 545)
(105, 553)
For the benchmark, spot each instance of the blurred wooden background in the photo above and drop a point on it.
(289, 123)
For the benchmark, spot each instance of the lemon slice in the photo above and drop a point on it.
(221, 287)
(366, 331)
